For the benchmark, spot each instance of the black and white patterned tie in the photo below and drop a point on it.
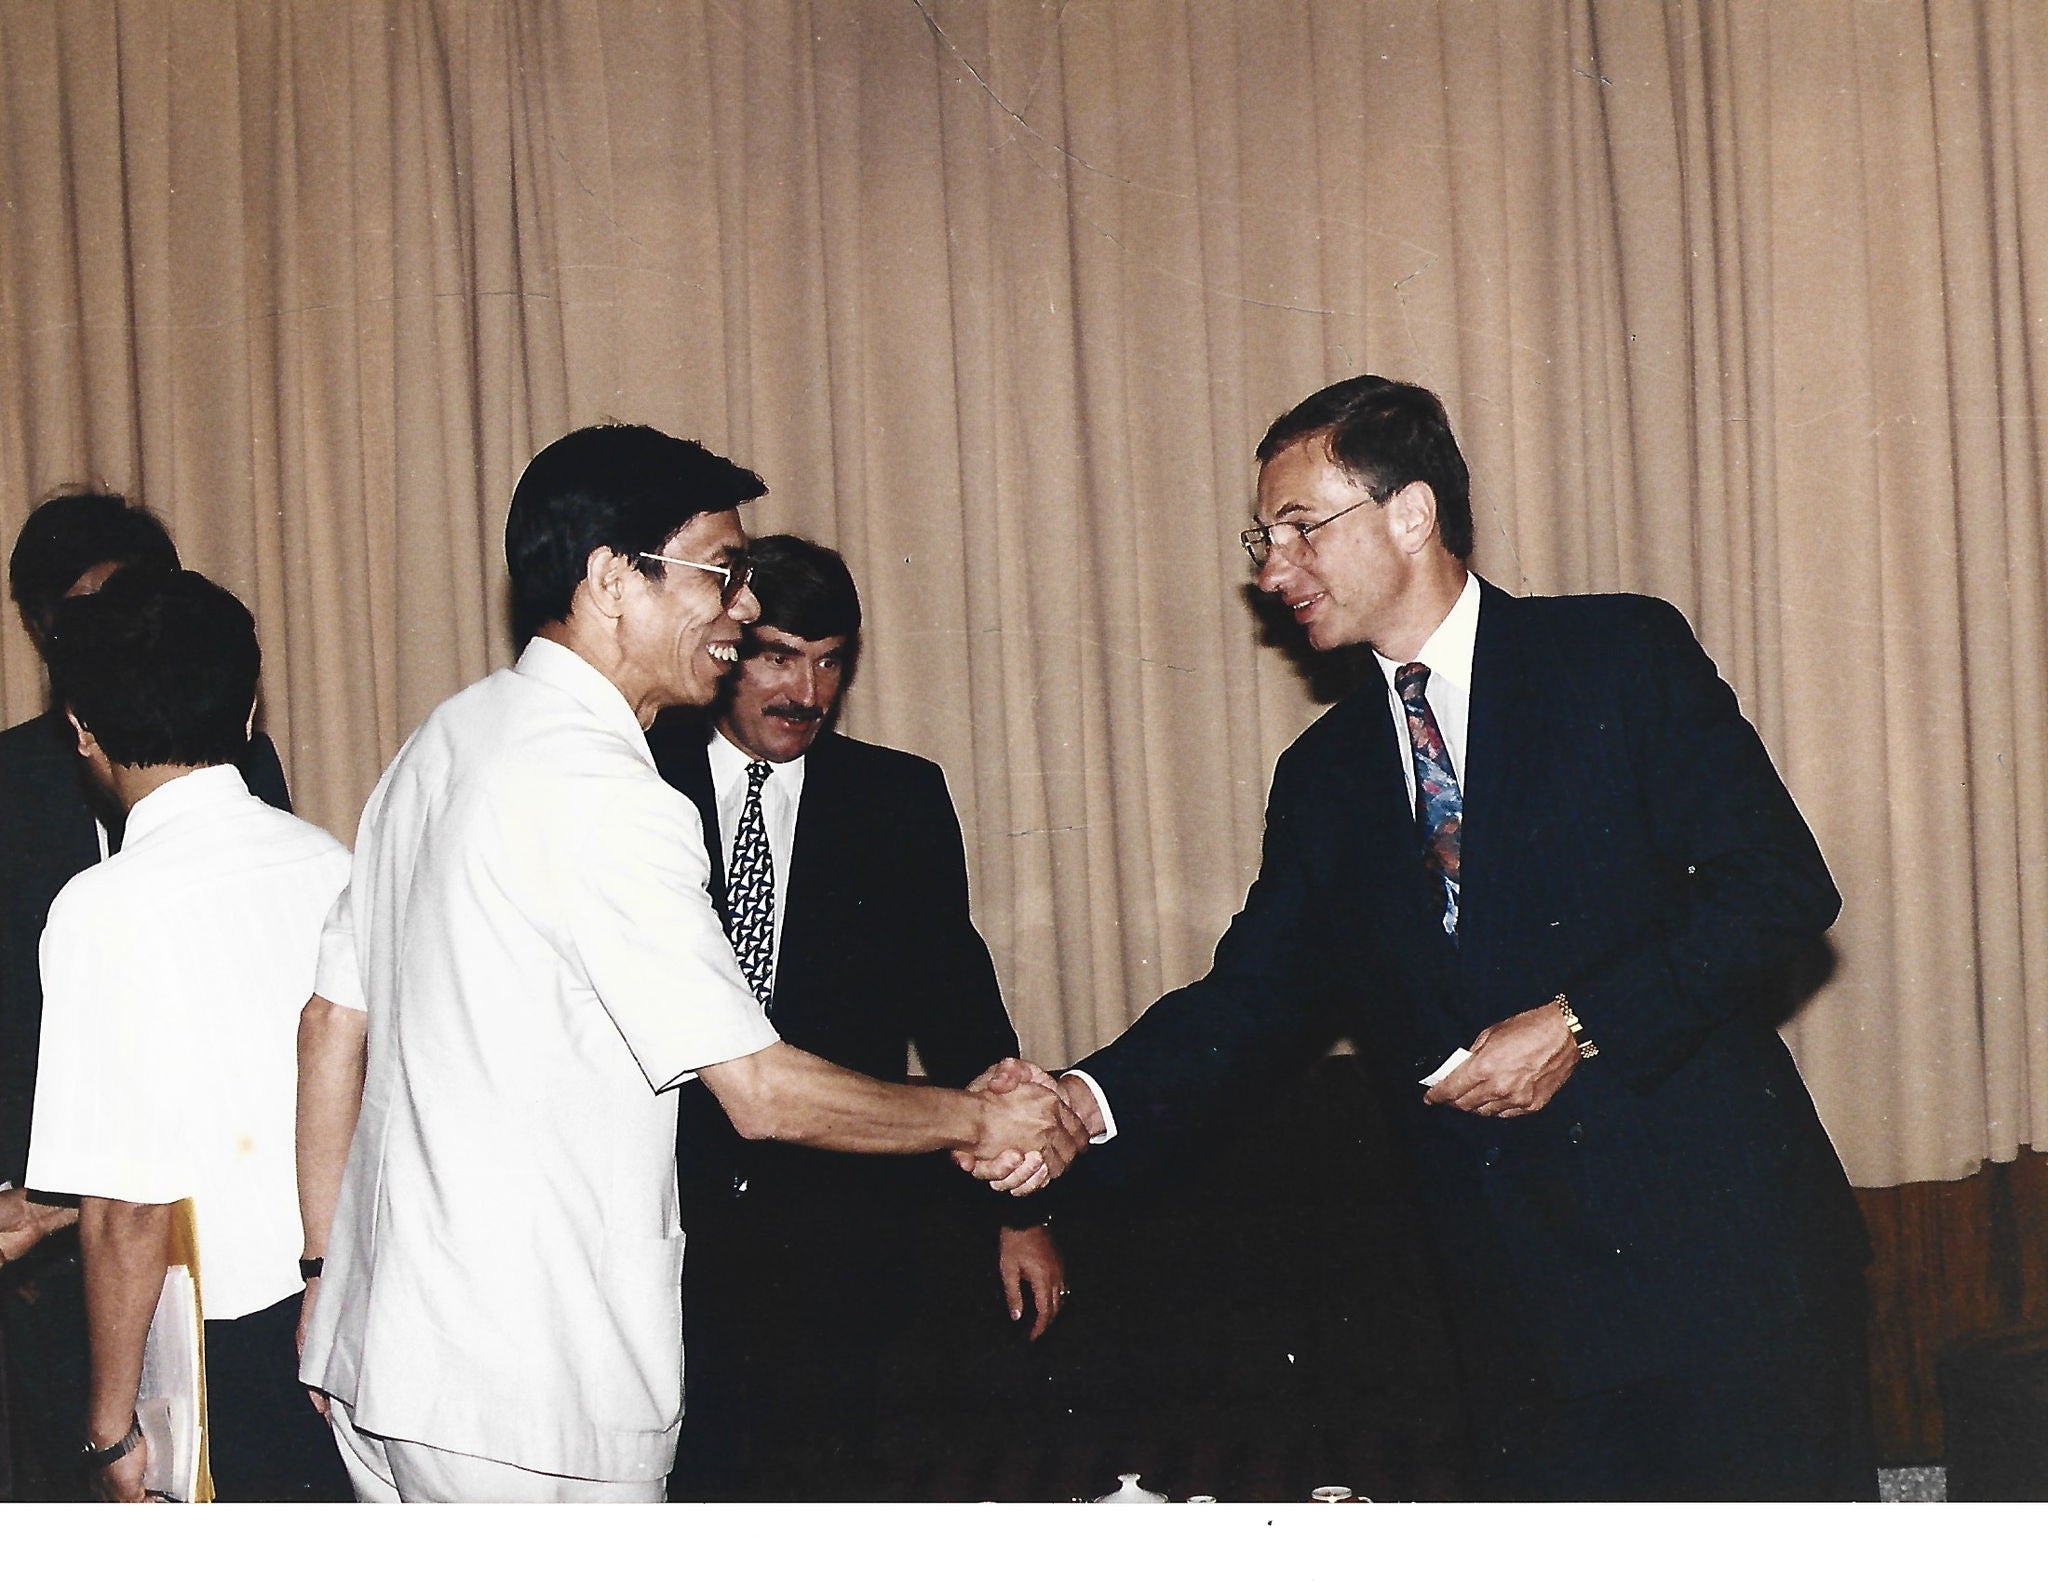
(750, 890)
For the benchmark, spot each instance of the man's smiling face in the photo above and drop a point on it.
(1347, 581)
(679, 630)
(784, 692)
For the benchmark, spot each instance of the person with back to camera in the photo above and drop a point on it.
(57, 825)
(173, 974)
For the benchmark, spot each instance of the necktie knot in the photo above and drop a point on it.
(758, 770)
(1409, 682)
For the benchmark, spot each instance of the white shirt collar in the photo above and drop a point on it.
(1448, 650)
(729, 768)
(560, 667)
(215, 783)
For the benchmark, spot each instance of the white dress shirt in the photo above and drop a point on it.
(782, 795)
(1448, 654)
(173, 977)
(528, 926)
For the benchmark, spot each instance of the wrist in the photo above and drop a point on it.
(1080, 1099)
(111, 1438)
(980, 1121)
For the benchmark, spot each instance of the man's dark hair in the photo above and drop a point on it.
(804, 588)
(617, 486)
(68, 535)
(160, 666)
(1387, 435)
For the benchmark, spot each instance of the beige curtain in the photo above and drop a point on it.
(1736, 303)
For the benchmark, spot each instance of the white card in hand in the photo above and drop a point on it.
(1456, 1059)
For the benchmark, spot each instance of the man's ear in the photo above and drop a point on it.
(87, 742)
(1411, 515)
(604, 580)
(249, 725)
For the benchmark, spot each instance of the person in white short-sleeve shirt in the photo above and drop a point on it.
(530, 959)
(173, 974)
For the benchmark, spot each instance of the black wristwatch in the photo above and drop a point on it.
(309, 1269)
(97, 1457)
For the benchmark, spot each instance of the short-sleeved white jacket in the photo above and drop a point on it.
(528, 928)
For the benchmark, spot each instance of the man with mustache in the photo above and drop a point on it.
(804, 1266)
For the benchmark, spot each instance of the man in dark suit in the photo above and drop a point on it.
(53, 828)
(1548, 837)
(803, 1267)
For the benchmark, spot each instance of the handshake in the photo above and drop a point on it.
(1032, 1127)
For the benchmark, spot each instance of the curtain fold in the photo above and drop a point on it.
(1735, 303)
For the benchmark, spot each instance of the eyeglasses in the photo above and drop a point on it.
(733, 576)
(1258, 538)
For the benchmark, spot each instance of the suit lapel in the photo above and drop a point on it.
(1385, 844)
(1504, 742)
(817, 847)
(1375, 759)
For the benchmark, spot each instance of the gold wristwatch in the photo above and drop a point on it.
(1587, 1048)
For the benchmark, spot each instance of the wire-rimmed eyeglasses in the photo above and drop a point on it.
(1258, 538)
(733, 577)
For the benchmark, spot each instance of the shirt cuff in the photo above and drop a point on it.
(1101, 1103)
(337, 977)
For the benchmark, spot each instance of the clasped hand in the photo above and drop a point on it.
(1029, 1136)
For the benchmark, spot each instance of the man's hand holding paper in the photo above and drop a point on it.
(1516, 1066)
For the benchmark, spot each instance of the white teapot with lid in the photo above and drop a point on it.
(1129, 1492)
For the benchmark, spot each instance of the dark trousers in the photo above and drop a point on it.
(1788, 1422)
(48, 1368)
(268, 1443)
(786, 1320)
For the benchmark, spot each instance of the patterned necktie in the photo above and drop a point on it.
(1439, 805)
(750, 890)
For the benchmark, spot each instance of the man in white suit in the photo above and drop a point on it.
(529, 943)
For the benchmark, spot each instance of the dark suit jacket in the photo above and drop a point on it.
(878, 953)
(47, 835)
(1626, 841)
